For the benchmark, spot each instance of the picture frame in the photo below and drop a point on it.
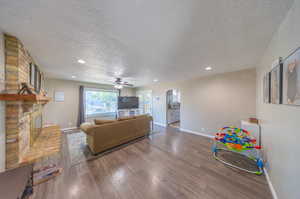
(31, 74)
(42, 81)
(38, 82)
(291, 79)
(276, 84)
(37, 79)
(266, 88)
(59, 96)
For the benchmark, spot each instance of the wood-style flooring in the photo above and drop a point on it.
(170, 164)
(175, 125)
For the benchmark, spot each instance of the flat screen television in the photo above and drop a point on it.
(128, 102)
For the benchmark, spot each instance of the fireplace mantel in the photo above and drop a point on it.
(38, 99)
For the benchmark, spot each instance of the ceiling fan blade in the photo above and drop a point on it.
(127, 84)
(119, 81)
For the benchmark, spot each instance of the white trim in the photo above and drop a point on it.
(69, 128)
(196, 133)
(270, 184)
(159, 124)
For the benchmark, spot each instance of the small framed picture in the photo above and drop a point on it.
(276, 85)
(266, 88)
(59, 96)
(31, 74)
(38, 86)
(37, 77)
(291, 79)
(42, 81)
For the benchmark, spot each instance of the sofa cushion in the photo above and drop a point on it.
(126, 118)
(99, 122)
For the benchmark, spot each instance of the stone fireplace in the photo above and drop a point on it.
(23, 120)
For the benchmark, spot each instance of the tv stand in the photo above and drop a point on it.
(127, 112)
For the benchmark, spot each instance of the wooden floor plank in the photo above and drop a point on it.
(168, 164)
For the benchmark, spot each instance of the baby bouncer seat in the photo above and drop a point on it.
(241, 143)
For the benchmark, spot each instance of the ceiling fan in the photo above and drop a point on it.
(119, 84)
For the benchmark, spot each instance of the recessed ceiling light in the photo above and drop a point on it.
(81, 61)
(155, 80)
(208, 68)
(73, 76)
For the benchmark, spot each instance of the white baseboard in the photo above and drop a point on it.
(270, 184)
(159, 124)
(197, 133)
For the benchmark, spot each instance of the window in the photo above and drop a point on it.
(145, 101)
(100, 102)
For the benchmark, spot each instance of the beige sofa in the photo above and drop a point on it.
(105, 134)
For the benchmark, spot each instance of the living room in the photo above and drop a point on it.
(113, 99)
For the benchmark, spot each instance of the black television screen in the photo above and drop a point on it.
(128, 102)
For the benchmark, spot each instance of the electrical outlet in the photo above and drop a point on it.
(70, 123)
(202, 129)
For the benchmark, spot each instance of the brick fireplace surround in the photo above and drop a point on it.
(19, 114)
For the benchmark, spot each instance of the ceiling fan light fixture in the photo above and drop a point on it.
(118, 86)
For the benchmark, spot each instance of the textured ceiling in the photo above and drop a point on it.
(143, 40)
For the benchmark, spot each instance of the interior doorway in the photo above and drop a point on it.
(145, 101)
(173, 108)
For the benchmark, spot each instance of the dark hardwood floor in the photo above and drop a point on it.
(170, 164)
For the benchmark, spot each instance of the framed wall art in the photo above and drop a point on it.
(276, 84)
(291, 79)
(36, 78)
(31, 74)
(266, 88)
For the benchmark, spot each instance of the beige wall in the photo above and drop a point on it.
(208, 103)
(65, 113)
(280, 123)
(2, 106)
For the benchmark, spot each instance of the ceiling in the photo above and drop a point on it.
(142, 40)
